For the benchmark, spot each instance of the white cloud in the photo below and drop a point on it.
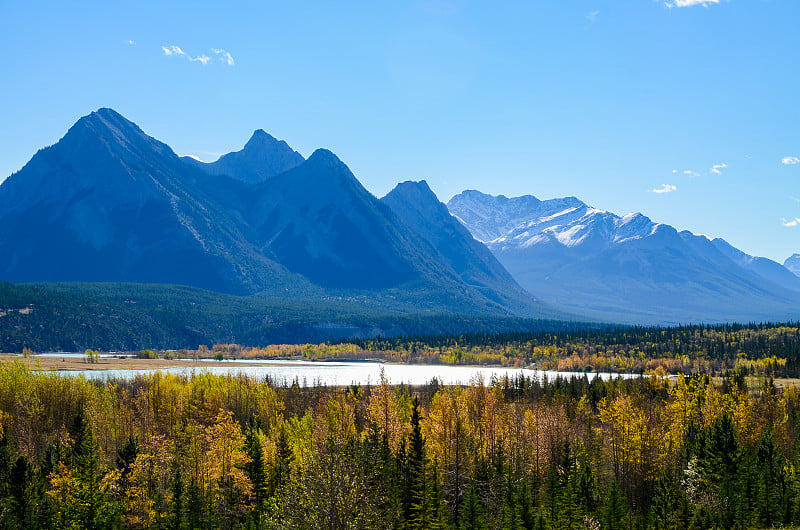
(224, 56)
(665, 188)
(591, 16)
(717, 168)
(202, 59)
(690, 3)
(790, 160)
(132, 42)
(172, 50)
(674, 171)
(691, 173)
(791, 222)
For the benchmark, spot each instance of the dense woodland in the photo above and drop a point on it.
(766, 349)
(129, 316)
(161, 451)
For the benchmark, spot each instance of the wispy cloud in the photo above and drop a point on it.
(690, 3)
(202, 59)
(665, 188)
(790, 160)
(224, 56)
(691, 173)
(132, 42)
(591, 16)
(717, 168)
(791, 223)
(173, 50)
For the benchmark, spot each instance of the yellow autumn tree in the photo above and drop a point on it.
(229, 486)
(385, 414)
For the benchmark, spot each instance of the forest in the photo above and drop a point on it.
(127, 316)
(755, 349)
(163, 451)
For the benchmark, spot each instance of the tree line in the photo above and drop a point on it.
(165, 451)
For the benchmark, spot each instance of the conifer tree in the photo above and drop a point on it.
(471, 511)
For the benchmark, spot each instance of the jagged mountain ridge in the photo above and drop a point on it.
(626, 268)
(419, 208)
(261, 158)
(109, 203)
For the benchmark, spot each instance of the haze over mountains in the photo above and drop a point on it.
(626, 269)
(793, 264)
(108, 203)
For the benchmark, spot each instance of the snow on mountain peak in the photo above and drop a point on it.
(522, 222)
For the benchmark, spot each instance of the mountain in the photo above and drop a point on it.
(108, 203)
(261, 158)
(793, 264)
(764, 267)
(626, 269)
(419, 208)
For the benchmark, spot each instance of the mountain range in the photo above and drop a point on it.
(108, 203)
(625, 269)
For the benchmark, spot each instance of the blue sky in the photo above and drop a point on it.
(611, 101)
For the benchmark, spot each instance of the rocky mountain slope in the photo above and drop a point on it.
(109, 203)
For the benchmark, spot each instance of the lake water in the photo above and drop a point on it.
(345, 373)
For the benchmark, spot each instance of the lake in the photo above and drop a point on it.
(308, 373)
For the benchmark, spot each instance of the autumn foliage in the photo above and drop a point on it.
(163, 451)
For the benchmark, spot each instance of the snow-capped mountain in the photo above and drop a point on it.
(625, 268)
(793, 264)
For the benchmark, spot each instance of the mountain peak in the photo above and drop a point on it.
(326, 158)
(108, 123)
(793, 264)
(261, 158)
(261, 138)
(416, 192)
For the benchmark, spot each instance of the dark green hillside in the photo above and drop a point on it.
(125, 316)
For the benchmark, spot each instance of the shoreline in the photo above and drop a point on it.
(55, 363)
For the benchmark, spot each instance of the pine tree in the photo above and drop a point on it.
(615, 509)
(255, 468)
(176, 488)
(471, 511)
(770, 480)
(281, 472)
(662, 505)
(414, 478)
(721, 467)
(125, 457)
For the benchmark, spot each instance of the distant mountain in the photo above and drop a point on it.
(261, 158)
(419, 208)
(109, 203)
(793, 264)
(626, 269)
(764, 267)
